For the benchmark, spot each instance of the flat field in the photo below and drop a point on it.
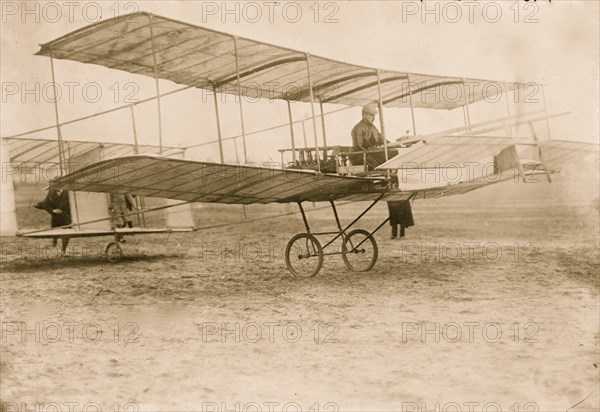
(490, 302)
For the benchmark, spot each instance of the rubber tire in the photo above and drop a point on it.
(345, 249)
(113, 256)
(319, 256)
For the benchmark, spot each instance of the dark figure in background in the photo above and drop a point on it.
(131, 205)
(400, 215)
(57, 204)
(122, 205)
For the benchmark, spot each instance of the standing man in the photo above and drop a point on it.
(400, 215)
(122, 205)
(57, 204)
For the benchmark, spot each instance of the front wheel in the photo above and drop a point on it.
(359, 250)
(304, 255)
(113, 252)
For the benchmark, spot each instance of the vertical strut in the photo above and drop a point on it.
(412, 110)
(61, 154)
(381, 121)
(304, 217)
(73, 193)
(510, 126)
(540, 154)
(237, 157)
(466, 108)
(337, 219)
(312, 108)
(218, 125)
(546, 113)
(160, 140)
(141, 221)
(239, 84)
(289, 106)
(323, 127)
(136, 149)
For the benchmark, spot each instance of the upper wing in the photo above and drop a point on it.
(217, 183)
(44, 151)
(151, 45)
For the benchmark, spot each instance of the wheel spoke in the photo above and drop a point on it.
(113, 252)
(304, 255)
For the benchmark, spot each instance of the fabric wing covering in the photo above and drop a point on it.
(188, 180)
(460, 151)
(156, 46)
(557, 153)
(193, 181)
(445, 151)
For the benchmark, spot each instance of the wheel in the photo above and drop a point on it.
(304, 255)
(359, 250)
(113, 252)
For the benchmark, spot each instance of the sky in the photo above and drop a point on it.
(555, 43)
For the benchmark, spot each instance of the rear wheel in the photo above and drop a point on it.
(304, 255)
(359, 250)
(113, 252)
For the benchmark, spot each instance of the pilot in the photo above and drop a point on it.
(365, 135)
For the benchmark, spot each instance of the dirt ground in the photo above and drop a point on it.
(490, 303)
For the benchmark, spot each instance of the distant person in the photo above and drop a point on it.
(400, 215)
(122, 206)
(131, 205)
(365, 136)
(57, 204)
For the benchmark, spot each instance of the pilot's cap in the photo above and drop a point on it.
(371, 109)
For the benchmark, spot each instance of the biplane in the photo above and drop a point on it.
(197, 57)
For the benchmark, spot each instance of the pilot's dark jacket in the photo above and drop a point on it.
(365, 135)
(56, 200)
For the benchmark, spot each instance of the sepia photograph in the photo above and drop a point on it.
(325, 206)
